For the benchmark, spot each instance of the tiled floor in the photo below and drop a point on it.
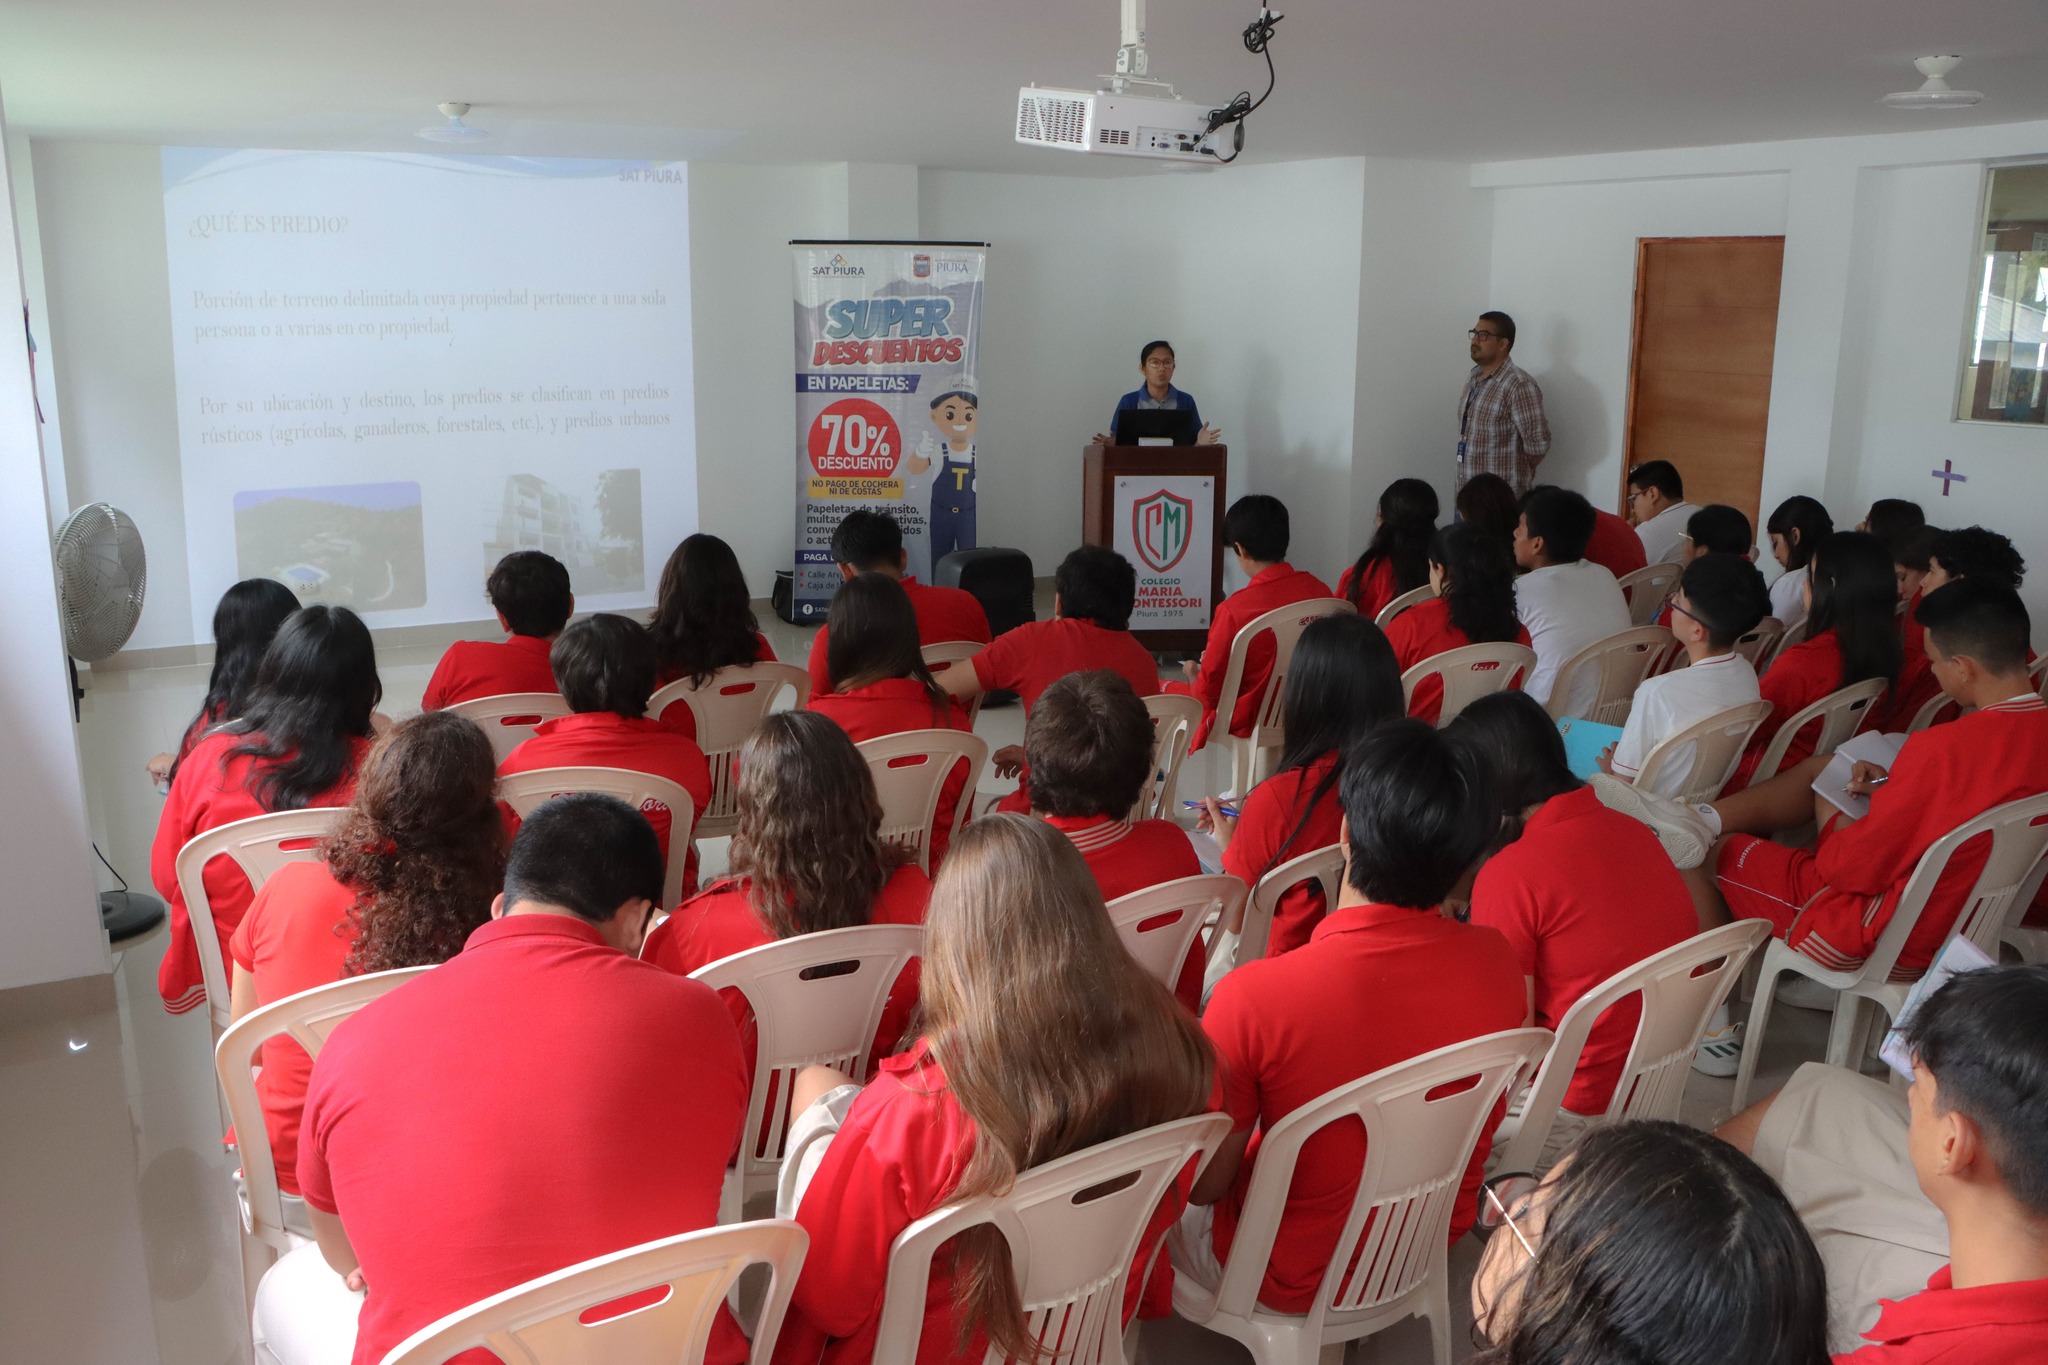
(118, 1243)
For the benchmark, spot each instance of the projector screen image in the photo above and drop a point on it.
(393, 369)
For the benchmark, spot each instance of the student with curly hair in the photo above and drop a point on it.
(401, 882)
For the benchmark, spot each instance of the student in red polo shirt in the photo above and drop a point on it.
(1384, 978)
(1089, 742)
(1397, 558)
(1852, 635)
(297, 744)
(245, 621)
(1579, 891)
(605, 667)
(703, 621)
(1343, 683)
(1474, 576)
(880, 685)
(401, 882)
(872, 542)
(1094, 591)
(1833, 901)
(1255, 529)
(1031, 1008)
(530, 592)
(540, 1099)
(807, 858)
(1946, 1184)
(1941, 557)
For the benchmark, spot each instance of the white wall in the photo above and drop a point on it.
(49, 915)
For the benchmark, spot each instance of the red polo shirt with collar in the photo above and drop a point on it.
(606, 739)
(489, 668)
(894, 706)
(1992, 1324)
(1037, 654)
(1615, 546)
(1128, 856)
(722, 921)
(1276, 810)
(1423, 632)
(211, 790)
(537, 1100)
(943, 614)
(1585, 892)
(1378, 590)
(1374, 986)
(1272, 587)
(296, 936)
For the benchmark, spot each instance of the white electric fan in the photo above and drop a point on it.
(101, 575)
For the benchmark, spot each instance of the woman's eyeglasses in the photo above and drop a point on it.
(1504, 1197)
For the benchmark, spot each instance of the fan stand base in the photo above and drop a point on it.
(129, 915)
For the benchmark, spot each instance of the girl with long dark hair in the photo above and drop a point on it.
(1796, 528)
(1474, 574)
(1852, 636)
(880, 685)
(244, 623)
(1652, 1241)
(1488, 502)
(1342, 683)
(407, 874)
(1041, 1036)
(703, 620)
(297, 743)
(1396, 560)
(807, 857)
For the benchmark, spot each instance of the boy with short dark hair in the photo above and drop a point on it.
(1256, 530)
(872, 542)
(605, 665)
(1089, 749)
(1657, 505)
(1565, 601)
(1384, 978)
(530, 592)
(1720, 599)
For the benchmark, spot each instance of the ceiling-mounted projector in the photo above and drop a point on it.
(1134, 115)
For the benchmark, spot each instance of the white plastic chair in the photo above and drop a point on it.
(1174, 718)
(1073, 1226)
(1715, 746)
(2018, 831)
(2030, 944)
(954, 652)
(510, 718)
(1324, 866)
(910, 771)
(727, 708)
(1931, 710)
(2038, 673)
(542, 1322)
(817, 999)
(1680, 989)
(524, 791)
(1414, 597)
(1841, 714)
(1646, 588)
(1795, 635)
(1158, 925)
(1284, 625)
(1417, 1149)
(1470, 672)
(1621, 661)
(259, 845)
(1760, 642)
(269, 1216)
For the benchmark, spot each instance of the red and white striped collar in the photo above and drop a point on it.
(1089, 833)
(2025, 701)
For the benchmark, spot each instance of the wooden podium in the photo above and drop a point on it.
(1161, 507)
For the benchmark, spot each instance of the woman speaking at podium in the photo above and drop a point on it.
(1158, 394)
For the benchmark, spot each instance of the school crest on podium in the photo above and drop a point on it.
(1160, 529)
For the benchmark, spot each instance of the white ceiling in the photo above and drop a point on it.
(933, 82)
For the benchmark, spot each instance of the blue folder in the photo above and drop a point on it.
(1583, 742)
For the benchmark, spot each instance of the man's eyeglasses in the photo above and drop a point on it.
(1504, 1196)
(1478, 332)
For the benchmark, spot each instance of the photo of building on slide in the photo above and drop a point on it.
(600, 540)
(355, 545)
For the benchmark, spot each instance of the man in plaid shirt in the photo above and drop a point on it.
(1501, 427)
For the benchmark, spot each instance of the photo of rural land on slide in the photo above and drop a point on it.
(355, 545)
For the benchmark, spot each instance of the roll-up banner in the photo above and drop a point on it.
(888, 399)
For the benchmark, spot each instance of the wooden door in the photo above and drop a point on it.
(1700, 367)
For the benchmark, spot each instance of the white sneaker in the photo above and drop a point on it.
(1720, 1052)
(1677, 826)
(1803, 992)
